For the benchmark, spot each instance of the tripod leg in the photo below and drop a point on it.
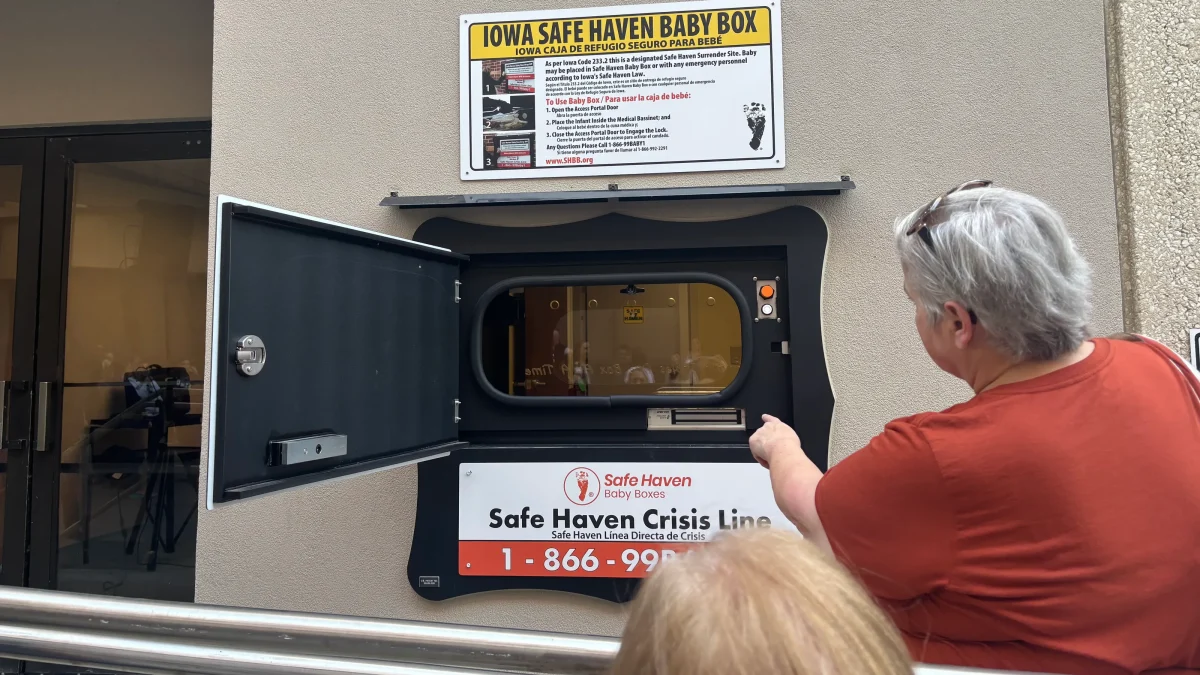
(160, 505)
(168, 530)
(85, 475)
(143, 510)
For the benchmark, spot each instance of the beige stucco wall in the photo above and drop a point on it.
(1154, 48)
(324, 107)
(82, 61)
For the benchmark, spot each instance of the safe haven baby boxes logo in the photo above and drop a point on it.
(582, 485)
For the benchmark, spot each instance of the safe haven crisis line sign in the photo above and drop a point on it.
(690, 86)
(614, 520)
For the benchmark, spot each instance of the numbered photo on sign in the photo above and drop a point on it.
(507, 76)
(509, 113)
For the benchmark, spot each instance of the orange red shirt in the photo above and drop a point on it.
(1051, 525)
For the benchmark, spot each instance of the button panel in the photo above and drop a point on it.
(767, 295)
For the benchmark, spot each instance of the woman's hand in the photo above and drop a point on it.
(794, 477)
(773, 437)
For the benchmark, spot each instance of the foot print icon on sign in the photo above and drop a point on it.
(756, 119)
(581, 486)
(582, 481)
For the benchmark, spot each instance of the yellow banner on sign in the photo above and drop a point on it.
(634, 314)
(622, 34)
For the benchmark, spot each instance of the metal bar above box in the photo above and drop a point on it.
(825, 188)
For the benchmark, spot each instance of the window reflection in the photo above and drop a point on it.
(10, 207)
(664, 339)
(134, 355)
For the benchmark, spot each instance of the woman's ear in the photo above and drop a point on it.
(964, 330)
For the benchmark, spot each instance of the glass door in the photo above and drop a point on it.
(121, 353)
(20, 207)
(21, 164)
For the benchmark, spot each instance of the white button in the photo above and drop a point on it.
(767, 309)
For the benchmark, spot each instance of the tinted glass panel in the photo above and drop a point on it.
(666, 339)
(10, 207)
(134, 361)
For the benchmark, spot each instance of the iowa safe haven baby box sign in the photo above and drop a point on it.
(605, 520)
(691, 86)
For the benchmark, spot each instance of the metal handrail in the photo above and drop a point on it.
(326, 635)
(88, 649)
(169, 638)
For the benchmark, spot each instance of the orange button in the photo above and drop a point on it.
(767, 292)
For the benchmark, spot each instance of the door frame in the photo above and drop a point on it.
(117, 128)
(29, 153)
(64, 148)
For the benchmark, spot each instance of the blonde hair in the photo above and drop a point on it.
(757, 601)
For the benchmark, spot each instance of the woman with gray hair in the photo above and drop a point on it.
(1051, 523)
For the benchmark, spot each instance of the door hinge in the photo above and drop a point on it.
(457, 287)
(456, 417)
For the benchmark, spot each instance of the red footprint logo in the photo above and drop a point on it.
(581, 479)
(581, 485)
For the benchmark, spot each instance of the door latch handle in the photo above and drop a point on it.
(250, 355)
(7, 389)
(43, 417)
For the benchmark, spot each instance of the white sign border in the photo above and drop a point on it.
(464, 103)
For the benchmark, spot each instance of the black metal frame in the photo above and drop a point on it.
(789, 242)
(67, 147)
(28, 153)
(792, 240)
(115, 129)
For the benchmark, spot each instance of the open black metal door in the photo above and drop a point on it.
(335, 351)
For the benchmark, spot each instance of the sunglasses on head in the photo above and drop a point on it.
(925, 220)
